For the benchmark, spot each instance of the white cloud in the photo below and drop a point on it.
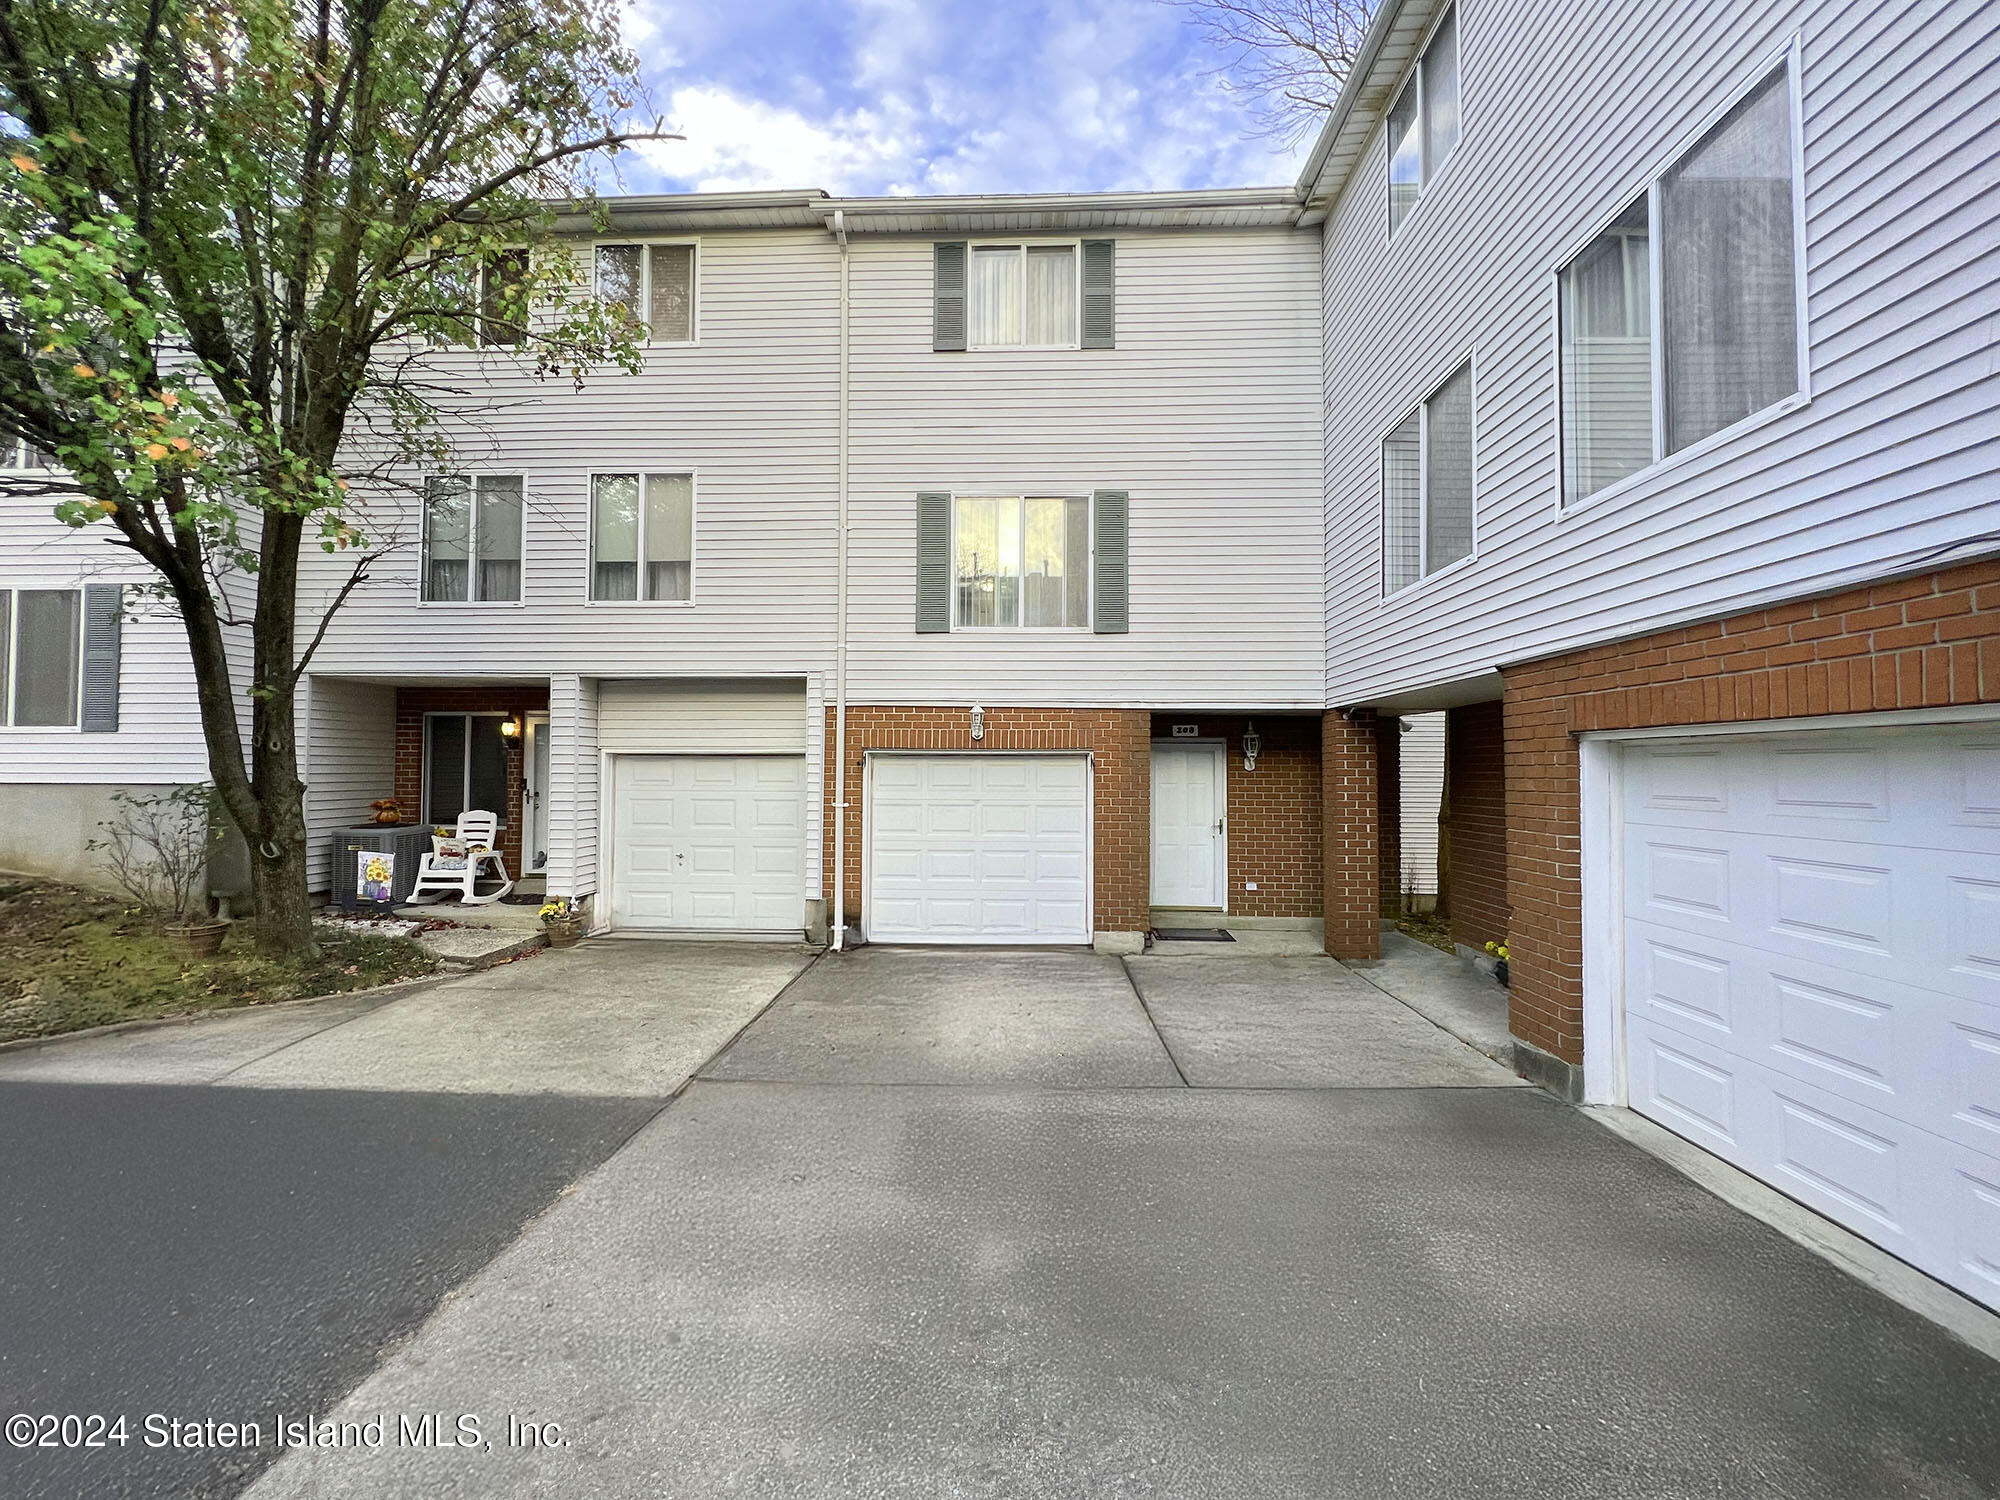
(735, 144)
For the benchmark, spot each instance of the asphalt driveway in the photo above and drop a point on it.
(1025, 1224)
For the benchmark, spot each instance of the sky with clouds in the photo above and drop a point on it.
(864, 97)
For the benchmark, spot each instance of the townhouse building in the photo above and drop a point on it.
(1617, 382)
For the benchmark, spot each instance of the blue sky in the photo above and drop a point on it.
(938, 96)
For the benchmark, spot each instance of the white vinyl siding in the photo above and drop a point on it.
(1421, 778)
(701, 718)
(348, 760)
(23, 458)
(1891, 459)
(573, 786)
(1207, 414)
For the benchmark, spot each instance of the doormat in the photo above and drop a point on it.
(517, 899)
(1191, 935)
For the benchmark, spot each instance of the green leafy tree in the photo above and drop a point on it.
(233, 235)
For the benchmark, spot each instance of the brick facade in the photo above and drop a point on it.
(1273, 811)
(1350, 805)
(1474, 824)
(1925, 642)
(411, 706)
(1121, 744)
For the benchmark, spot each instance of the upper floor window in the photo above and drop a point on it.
(642, 537)
(41, 656)
(654, 284)
(1708, 256)
(1023, 297)
(1427, 485)
(23, 457)
(1423, 123)
(1022, 560)
(503, 296)
(472, 538)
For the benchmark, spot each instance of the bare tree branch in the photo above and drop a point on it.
(1289, 58)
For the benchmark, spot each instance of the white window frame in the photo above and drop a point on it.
(647, 242)
(1422, 410)
(1412, 82)
(1787, 57)
(1021, 497)
(471, 545)
(9, 676)
(465, 770)
(694, 536)
(1024, 245)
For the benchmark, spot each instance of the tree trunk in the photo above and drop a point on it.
(283, 923)
(278, 856)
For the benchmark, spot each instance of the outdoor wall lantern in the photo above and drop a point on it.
(510, 729)
(978, 722)
(1253, 743)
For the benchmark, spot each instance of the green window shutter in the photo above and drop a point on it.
(102, 605)
(948, 295)
(1100, 294)
(1110, 585)
(933, 563)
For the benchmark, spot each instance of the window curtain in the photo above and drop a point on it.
(996, 295)
(447, 536)
(670, 301)
(614, 539)
(1403, 504)
(1448, 473)
(1440, 69)
(1728, 270)
(1051, 312)
(669, 536)
(498, 537)
(1604, 325)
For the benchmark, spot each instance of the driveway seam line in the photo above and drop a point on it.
(1125, 967)
(737, 1035)
(1464, 1042)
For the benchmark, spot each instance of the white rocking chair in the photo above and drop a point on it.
(481, 832)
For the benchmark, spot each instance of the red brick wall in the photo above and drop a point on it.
(1273, 811)
(1475, 823)
(411, 706)
(1120, 741)
(1351, 805)
(1924, 642)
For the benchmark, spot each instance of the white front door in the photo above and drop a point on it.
(1189, 867)
(535, 795)
(1811, 973)
(708, 842)
(978, 848)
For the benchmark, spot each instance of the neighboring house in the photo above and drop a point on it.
(96, 688)
(1661, 369)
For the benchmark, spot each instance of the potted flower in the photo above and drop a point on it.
(1499, 952)
(156, 847)
(562, 920)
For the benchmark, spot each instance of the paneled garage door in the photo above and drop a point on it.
(976, 848)
(708, 842)
(1811, 936)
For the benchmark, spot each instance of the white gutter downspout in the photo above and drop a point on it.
(840, 627)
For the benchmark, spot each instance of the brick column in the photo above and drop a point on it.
(1350, 750)
(1389, 814)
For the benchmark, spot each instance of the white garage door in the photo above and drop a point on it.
(1812, 973)
(978, 848)
(708, 842)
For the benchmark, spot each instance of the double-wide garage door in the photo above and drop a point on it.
(1811, 950)
(978, 848)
